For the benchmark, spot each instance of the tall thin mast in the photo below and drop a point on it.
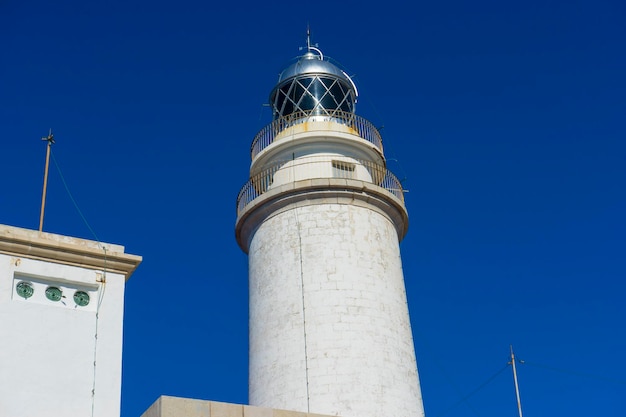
(519, 401)
(308, 38)
(50, 140)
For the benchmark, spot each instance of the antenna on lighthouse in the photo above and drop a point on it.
(314, 47)
(50, 140)
(519, 401)
(308, 37)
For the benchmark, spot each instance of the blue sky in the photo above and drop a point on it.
(505, 120)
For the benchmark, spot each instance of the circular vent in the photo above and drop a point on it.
(81, 298)
(25, 289)
(53, 294)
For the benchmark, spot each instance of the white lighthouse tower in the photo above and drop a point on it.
(321, 219)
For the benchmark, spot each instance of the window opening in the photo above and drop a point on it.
(343, 169)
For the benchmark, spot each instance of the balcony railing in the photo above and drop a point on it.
(365, 129)
(285, 172)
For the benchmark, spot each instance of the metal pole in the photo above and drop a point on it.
(50, 140)
(519, 401)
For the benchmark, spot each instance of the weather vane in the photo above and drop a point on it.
(50, 140)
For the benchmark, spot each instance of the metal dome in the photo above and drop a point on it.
(313, 86)
(311, 63)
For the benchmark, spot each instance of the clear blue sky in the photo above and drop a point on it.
(506, 120)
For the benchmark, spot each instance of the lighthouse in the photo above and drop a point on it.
(321, 219)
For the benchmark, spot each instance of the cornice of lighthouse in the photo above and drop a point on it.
(316, 192)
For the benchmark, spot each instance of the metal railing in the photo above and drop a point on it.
(365, 129)
(284, 172)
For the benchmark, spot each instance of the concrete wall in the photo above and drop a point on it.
(329, 323)
(167, 406)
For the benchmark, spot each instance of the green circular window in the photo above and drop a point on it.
(53, 294)
(25, 289)
(81, 298)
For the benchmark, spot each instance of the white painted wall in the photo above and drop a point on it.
(329, 323)
(320, 165)
(47, 349)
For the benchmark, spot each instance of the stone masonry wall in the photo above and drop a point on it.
(166, 406)
(329, 323)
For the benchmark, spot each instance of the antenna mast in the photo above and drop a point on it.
(308, 37)
(519, 401)
(50, 140)
(313, 47)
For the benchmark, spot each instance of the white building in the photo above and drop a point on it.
(61, 310)
(321, 219)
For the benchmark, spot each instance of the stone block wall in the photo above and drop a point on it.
(166, 406)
